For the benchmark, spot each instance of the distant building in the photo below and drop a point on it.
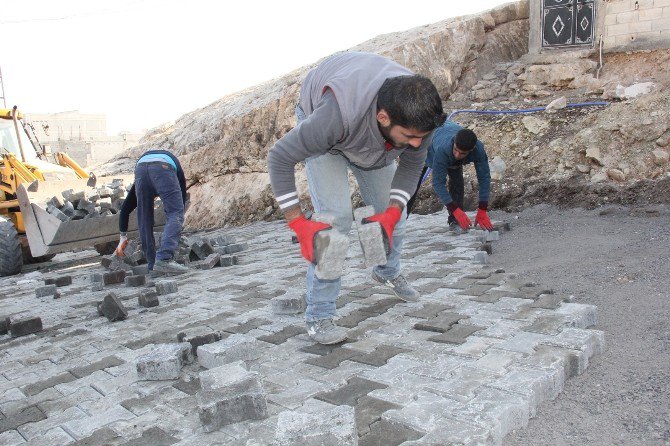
(82, 136)
(621, 25)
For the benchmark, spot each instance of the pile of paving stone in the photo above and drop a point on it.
(96, 202)
(196, 252)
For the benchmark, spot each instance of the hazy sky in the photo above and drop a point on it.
(146, 62)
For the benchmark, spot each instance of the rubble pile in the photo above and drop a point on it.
(98, 202)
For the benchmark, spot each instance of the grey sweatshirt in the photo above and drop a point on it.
(339, 98)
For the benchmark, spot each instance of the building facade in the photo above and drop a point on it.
(613, 25)
(82, 136)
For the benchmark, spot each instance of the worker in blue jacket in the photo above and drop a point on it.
(157, 174)
(453, 147)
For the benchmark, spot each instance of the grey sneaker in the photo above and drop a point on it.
(400, 287)
(169, 267)
(326, 332)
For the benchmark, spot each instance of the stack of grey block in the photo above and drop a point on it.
(207, 253)
(96, 202)
(230, 394)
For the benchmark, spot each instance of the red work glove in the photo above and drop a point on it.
(387, 220)
(306, 231)
(462, 219)
(482, 219)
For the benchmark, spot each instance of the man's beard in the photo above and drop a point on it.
(386, 133)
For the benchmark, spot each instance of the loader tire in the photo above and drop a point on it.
(105, 249)
(11, 259)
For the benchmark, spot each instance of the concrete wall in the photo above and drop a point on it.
(82, 136)
(624, 25)
(635, 24)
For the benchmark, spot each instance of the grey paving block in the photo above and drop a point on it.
(165, 287)
(429, 310)
(11, 421)
(164, 362)
(236, 347)
(199, 337)
(148, 299)
(371, 237)
(154, 436)
(46, 291)
(283, 335)
(457, 334)
(59, 281)
(334, 427)
(113, 308)
(35, 388)
(230, 394)
(349, 394)
(104, 363)
(25, 326)
(381, 306)
(369, 410)
(440, 323)
(289, 303)
(135, 281)
(379, 356)
(330, 251)
(189, 386)
(140, 270)
(385, 433)
(247, 326)
(209, 262)
(113, 277)
(354, 318)
(334, 358)
(4, 325)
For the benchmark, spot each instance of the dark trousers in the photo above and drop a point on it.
(455, 186)
(158, 179)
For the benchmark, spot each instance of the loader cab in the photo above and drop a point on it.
(9, 140)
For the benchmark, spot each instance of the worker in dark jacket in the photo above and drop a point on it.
(157, 174)
(453, 147)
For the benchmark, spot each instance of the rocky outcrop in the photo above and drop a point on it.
(223, 146)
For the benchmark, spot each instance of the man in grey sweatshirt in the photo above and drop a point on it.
(357, 112)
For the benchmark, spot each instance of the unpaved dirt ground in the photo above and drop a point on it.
(617, 258)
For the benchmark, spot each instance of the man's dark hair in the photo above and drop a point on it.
(411, 102)
(465, 140)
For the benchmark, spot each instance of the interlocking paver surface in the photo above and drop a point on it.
(467, 364)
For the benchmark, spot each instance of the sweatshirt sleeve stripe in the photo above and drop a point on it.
(400, 195)
(288, 200)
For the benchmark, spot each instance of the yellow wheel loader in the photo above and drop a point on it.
(28, 180)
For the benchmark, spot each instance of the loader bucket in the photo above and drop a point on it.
(46, 234)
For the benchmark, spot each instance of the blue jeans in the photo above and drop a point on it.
(158, 179)
(329, 190)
